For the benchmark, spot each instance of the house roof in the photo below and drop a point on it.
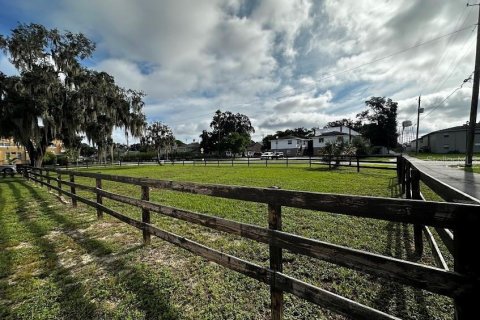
(289, 138)
(331, 133)
(255, 147)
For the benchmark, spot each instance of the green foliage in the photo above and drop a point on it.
(230, 132)
(349, 123)
(87, 150)
(63, 160)
(55, 97)
(361, 146)
(50, 158)
(236, 142)
(380, 119)
(159, 136)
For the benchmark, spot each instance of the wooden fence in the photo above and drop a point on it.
(359, 162)
(460, 242)
(462, 284)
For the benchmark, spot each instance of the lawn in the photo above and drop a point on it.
(60, 262)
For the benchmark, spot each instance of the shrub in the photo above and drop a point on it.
(49, 158)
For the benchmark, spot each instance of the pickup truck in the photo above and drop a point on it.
(8, 169)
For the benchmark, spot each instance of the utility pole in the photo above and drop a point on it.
(474, 105)
(418, 124)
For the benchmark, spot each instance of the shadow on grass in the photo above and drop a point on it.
(152, 296)
(392, 297)
(394, 187)
(72, 301)
(6, 264)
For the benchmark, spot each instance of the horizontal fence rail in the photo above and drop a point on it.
(358, 162)
(459, 284)
(461, 239)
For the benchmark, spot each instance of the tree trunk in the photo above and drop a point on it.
(36, 154)
(39, 160)
(111, 152)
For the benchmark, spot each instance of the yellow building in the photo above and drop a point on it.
(9, 151)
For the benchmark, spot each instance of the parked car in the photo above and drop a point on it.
(8, 168)
(271, 155)
(267, 155)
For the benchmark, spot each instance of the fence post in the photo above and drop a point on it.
(266, 162)
(41, 177)
(286, 160)
(417, 228)
(408, 181)
(33, 177)
(248, 161)
(329, 162)
(276, 295)
(73, 191)
(310, 161)
(399, 169)
(146, 214)
(59, 183)
(466, 262)
(98, 183)
(358, 163)
(48, 180)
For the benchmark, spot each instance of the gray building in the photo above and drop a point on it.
(452, 139)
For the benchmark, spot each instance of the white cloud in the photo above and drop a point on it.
(280, 62)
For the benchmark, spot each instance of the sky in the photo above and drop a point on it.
(283, 63)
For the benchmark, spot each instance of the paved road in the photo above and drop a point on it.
(449, 173)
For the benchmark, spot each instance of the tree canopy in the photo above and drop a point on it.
(379, 122)
(230, 132)
(349, 123)
(55, 97)
(158, 136)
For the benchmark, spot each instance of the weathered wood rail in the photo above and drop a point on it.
(462, 284)
(461, 240)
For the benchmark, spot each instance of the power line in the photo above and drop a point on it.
(446, 98)
(451, 68)
(451, 39)
(395, 53)
(312, 86)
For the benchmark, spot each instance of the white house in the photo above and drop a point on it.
(290, 145)
(333, 135)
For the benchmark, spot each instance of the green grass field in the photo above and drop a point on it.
(62, 263)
